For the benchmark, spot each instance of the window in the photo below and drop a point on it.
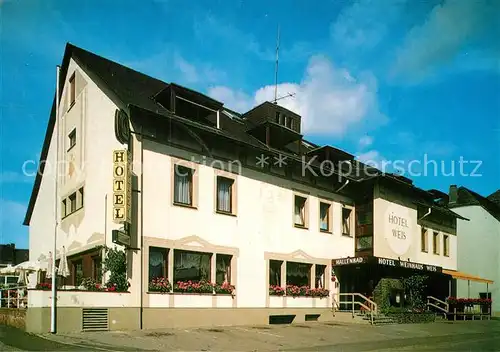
(224, 194)
(80, 196)
(72, 90)
(223, 268)
(300, 211)
(289, 122)
(72, 139)
(435, 242)
(446, 245)
(72, 202)
(63, 208)
(346, 221)
(282, 119)
(298, 274)
(97, 268)
(364, 243)
(324, 217)
(183, 185)
(423, 239)
(320, 276)
(294, 127)
(194, 266)
(285, 120)
(158, 262)
(275, 272)
(277, 117)
(77, 272)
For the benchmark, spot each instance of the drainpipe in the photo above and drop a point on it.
(341, 187)
(426, 214)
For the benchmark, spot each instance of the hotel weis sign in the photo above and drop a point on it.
(122, 186)
(398, 228)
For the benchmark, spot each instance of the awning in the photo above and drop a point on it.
(464, 276)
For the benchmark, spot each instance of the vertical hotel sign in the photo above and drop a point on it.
(122, 186)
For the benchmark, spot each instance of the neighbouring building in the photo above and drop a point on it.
(479, 246)
(10, 255)
(196, 192)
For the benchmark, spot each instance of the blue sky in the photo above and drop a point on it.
(385, 80)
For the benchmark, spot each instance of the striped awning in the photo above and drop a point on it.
(463, 276)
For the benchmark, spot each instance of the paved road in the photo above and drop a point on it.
(465, 336)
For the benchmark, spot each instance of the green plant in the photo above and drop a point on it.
(91, 285)
(116, 263)
(414, 287)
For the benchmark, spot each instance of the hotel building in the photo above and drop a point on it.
(192, 191)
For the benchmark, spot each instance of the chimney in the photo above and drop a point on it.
(453, 194)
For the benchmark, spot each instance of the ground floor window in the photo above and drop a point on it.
(320, 276)
(223, 268)
(192, 266)
(298, 274)
(77, 272)
(158, 262)
(275, 272)
(97, 268)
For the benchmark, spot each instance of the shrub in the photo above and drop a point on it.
(116, 264)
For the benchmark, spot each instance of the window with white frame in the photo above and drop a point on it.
(223, 268)
(192, 266)
(435, 242)
(158, 262)
(324, 217)
(298, 274)
(275, 272)
(347, 221)
(225, 194)
(446, 245)
(320, 276)
(183, 185)
(300, 211)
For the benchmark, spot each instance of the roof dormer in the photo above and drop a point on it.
(273, 125)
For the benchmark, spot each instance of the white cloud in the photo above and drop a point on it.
(188, 71)
(372, 158)
(450, 27)
(365, 141)
(235, 100)
(14, 177)
(329, 99)
(365, 23)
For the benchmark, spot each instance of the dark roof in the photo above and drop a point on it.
(495, 197)
(441, 209)
(466, 197)
(130, 89)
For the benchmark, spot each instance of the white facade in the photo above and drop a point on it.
(479, 253)
(261, 228)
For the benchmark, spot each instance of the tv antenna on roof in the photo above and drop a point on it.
(276, 98)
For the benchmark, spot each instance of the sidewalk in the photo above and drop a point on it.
(310, 336)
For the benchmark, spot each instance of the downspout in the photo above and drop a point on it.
(142, 228)
(342, 187)
(426, 214)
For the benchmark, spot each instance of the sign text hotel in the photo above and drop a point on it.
(122, 186)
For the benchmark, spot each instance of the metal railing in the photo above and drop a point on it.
(14, 297)
(438, 304)
(355, 305)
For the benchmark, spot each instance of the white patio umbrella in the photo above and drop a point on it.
(49, 266)
(31, 266)
(63, 269)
